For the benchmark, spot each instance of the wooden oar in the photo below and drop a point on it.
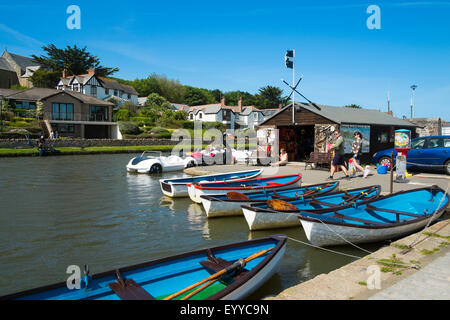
(218, 274)
(193, 293)
(359, 195)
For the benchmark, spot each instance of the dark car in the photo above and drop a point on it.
(426, 152)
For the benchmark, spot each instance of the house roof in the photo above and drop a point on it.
(35, 94)
(350, 115)
(107, 83)
(23, 62)
(4, 65)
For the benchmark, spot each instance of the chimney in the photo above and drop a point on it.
(64, 73)
(222, 102)
(240, 104)
(91, 71)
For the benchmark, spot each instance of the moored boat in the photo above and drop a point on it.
(230, 204)
(177, 188)
(262, 216)
(385, 218)
(227, 272)
(266, 183)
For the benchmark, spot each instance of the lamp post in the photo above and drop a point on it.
(413, 87)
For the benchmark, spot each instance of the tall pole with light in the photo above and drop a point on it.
(413, 87)
(289, 60)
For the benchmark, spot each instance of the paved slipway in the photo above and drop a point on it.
(391, 273)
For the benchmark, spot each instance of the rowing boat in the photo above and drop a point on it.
(230, 204)
(177, 188)
(266, 183)
(228, 272)
(264, 216)
(385, 218)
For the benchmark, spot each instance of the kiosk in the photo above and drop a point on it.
(402, 144)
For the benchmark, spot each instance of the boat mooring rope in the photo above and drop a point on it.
(415, 242)
(325, 249)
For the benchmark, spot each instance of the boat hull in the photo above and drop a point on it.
(196, 193)
(270, 220)
(385, 218)
(263, 220)
(174, 189)
(322, 235)
(216, 207)
(159, 279)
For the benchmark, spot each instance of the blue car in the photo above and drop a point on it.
(426, 152)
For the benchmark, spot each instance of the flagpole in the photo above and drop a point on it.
(293, 91)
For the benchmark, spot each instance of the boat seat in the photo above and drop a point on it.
(237, 196)
(129, 289)
(280, 205)
(215, 264)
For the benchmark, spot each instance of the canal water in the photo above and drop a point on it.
(77, 210)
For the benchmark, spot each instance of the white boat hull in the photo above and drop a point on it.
(321, 234)
(223, 208)
(257, 280)
(195, 193)
(270, 220)
(180, 190)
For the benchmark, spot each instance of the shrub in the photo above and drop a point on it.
(129, 128)
(7, 115)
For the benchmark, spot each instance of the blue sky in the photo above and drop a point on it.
(240, 45)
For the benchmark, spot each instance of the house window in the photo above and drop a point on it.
(191, 117)
(63, 129)
(129, 96)
(76, 87)
(93, 90)
(106, 91)
(62, 111)
(200, 115)
(60, 87)
(97, 113)
(116, 93)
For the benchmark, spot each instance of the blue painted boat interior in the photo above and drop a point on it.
(219, 177)
(332, 198)
(159, 279)
(415, 202)
(292, 193)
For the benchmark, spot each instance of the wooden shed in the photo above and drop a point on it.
(310, 129)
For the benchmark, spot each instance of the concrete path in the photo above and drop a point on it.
(430, 283)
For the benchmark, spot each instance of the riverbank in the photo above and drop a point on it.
(30, 152)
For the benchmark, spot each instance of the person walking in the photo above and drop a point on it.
(338, 159)
(357, 151)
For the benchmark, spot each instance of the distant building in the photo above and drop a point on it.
(71, 113)
(428, 126)
(16, 70)
(99, 87)
(234, 117)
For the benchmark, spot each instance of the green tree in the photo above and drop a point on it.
(197, 96)
(42, 78)
(232, 98)
(73, 60)
(269, 97)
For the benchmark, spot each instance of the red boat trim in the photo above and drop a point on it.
(203, 187)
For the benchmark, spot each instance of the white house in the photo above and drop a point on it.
(100, 87)
(234, 117)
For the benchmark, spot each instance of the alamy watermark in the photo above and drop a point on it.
(374, 20)
(374, 279)
(74, 20)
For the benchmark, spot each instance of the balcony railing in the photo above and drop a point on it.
(76, 116)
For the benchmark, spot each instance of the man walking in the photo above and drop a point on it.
(338, 159)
